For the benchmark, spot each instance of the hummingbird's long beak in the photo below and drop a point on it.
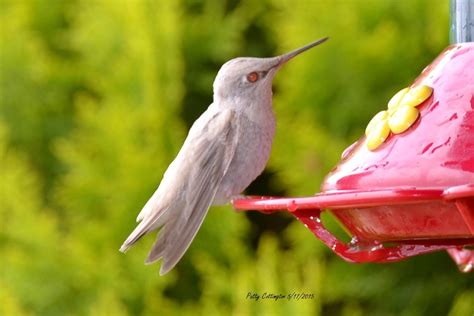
(282, 59)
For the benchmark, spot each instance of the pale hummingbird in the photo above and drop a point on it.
(226, 148)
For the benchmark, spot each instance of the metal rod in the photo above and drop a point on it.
(462, 21)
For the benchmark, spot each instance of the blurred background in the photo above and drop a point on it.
(96, 97)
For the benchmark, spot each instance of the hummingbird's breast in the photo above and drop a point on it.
(251, 155)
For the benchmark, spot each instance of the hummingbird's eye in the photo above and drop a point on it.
(252, 77)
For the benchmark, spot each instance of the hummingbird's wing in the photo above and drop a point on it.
(188, 188)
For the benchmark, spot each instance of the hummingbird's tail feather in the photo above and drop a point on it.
(146, 225)
(176, 236)
(179, 225)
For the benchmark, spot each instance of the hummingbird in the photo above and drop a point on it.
(226, 148)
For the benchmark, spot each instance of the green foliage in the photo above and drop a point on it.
(95, 100)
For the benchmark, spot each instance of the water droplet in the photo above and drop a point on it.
(466, 267)
(348, 150)
(354, 241)
(291, 206)
(376, 247)
(453, 117)
(442, 145)
(426, 148)
(434, 106)
(459, 53)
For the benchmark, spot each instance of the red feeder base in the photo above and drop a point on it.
(445, 220)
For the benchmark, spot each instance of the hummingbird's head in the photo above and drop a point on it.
(250, 78)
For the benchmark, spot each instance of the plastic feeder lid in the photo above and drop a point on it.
(436, 150)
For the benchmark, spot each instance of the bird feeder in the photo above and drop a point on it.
(406, 187)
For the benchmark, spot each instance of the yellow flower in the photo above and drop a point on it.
(401, 114)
